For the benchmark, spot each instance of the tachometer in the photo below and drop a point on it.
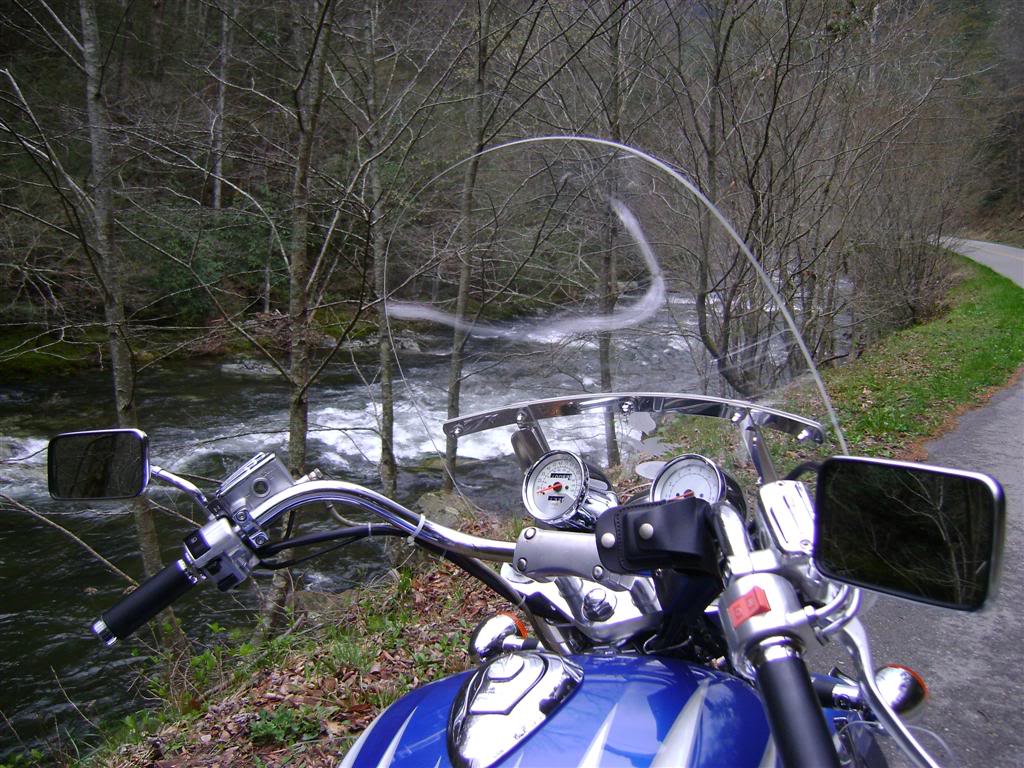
(554, 486)
(689, 476)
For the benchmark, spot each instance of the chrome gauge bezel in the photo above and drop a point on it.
(575, 501)
(671, 467)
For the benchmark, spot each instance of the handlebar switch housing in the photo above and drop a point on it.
(216, 551)
(759, 606)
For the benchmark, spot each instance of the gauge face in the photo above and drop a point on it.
(689, 476)
(554, 486)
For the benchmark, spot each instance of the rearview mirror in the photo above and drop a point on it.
(100, 464)
(929, 534)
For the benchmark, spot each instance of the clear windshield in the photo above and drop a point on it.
(557, 268)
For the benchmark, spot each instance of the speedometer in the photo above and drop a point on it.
(689, 476)
(554, 486)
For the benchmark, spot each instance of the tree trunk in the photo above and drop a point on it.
(714, 345)
(217, 121)
(267, 271)
(387, 467)
(466, 266)
(308, 100)
(609, 277)
(108, 270)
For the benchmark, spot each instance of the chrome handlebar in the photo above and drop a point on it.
(358, 497)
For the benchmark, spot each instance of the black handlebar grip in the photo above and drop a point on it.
(146, 601)
(794, 712)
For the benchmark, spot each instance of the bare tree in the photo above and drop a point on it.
(786, 120)
(596, 93)
(312, 38)
(219, 114)
(534, 46)
(388, 82)
(90, 210)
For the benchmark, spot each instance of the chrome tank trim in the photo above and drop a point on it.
(770, 757)
(592, 759)
(505, 701)
(389, 754)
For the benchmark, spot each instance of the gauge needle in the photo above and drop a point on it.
(553, 487)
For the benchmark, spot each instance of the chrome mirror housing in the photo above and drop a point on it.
(98, 464)
(930, 534)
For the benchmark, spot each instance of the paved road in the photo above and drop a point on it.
(1004, 259)
(974, 663)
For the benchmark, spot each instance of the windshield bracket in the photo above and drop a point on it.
(758, 451)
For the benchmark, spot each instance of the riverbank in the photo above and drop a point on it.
(27, 351)
(301, 697)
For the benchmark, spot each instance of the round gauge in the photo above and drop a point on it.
(689, 476)
(554, 486)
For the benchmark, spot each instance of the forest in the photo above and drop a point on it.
(242, 178)
(186, 176)
(192, 176)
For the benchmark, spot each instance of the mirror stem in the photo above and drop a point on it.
(855, 640)
(184, 485)
(758, 451)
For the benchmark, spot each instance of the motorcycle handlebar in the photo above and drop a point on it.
(146, 601)
(163, 588)
(363, 499)
(794, 712)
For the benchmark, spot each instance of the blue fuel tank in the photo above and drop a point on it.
(625, 711)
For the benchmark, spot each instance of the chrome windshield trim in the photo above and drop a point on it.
(524, 414)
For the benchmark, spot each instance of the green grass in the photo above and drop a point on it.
(905, 387)
(286, 725)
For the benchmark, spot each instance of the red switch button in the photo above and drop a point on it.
(754, 603)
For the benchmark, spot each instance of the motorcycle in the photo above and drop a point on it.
(678, 562)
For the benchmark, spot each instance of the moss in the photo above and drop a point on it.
(29, 353)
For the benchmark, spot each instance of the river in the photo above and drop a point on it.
(205, 417)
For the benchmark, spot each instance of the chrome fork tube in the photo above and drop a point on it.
(731, 531)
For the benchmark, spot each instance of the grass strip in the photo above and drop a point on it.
(913, 382)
